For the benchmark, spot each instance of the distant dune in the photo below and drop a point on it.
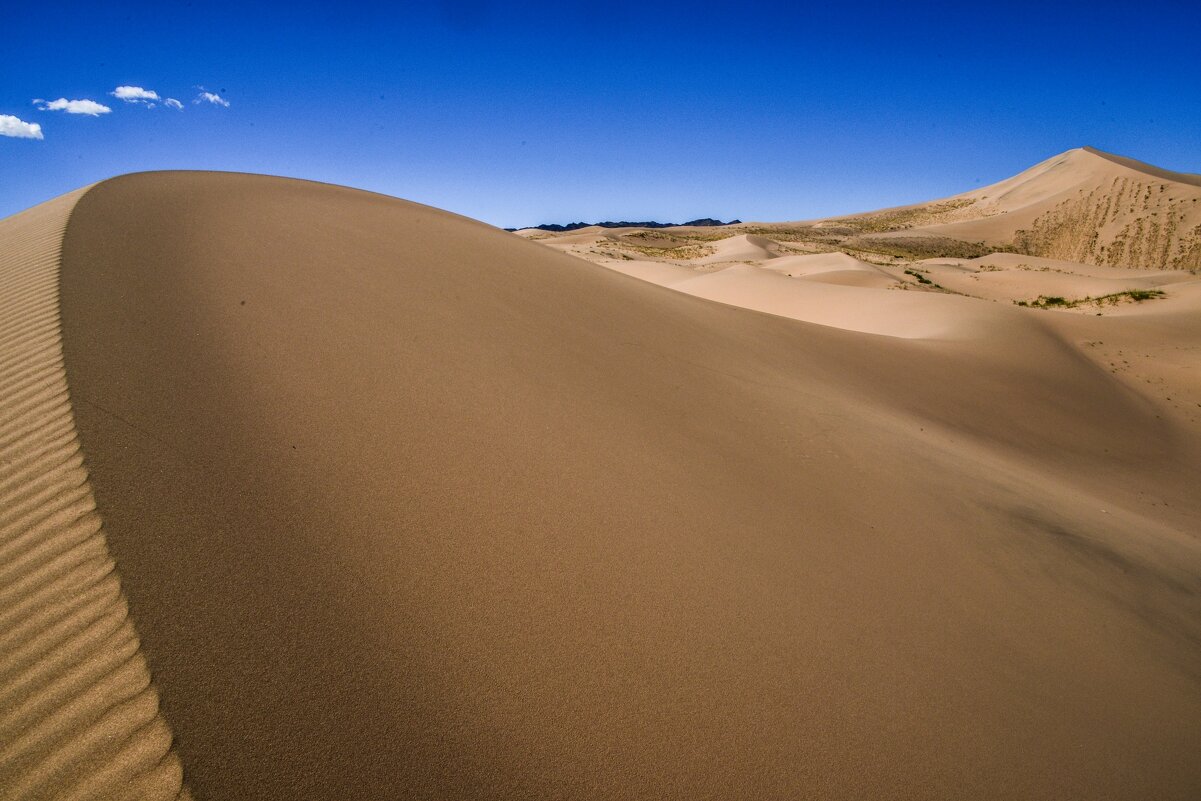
(1083, 205)
(405, 506)
(1111, 259)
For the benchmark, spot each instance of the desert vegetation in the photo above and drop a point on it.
(1125, 223)
(901, 219)
(1112, 299)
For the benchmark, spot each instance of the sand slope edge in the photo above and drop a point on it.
(79, 717)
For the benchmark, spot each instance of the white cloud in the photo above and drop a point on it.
(11, 126)
(89, 107)
(135, 94)
(171, 102)
(211, 97)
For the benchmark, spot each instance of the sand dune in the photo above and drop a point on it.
(1084, 206)
(916, 315)
(1081, 196)
(407, 506)
(832, 268)
(78, 717)
(740, 247)
(1013, 277)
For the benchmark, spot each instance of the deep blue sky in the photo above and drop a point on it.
(519, 114)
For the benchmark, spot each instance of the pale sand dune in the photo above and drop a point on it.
(1083, 206)
(740, 247)
(807, 264)
(1153, 347)
(831, 268)
(1086, 206)
(851, 304)
(657, 272)
(78, 717)
(1012, 277)
(1040, 264)
(405, 506)
(910, 315)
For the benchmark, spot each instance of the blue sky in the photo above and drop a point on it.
(525, 113)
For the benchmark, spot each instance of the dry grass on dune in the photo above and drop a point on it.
(404, 505)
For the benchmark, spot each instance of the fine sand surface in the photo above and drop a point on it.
(78, 717)
(405, 506)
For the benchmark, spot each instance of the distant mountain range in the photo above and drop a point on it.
(575, 226)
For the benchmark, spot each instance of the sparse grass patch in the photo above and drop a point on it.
(1137, 295)
(901, 219)
(686, 251)
(699, 236)
(922, 279)
(915, 248)
(1113, 299)
(807, 233)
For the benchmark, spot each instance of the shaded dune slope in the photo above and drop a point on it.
(78, 716)
(407, 506)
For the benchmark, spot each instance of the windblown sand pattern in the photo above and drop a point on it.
(407, 507)
(79, 718)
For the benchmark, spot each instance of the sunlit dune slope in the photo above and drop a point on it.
(406, 506)
(1083, 205)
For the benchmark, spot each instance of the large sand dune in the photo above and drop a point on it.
(1083, 205)
(406, 506)
(1115, 241)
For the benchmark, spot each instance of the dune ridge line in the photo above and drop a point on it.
(407, 506)
(79, 715)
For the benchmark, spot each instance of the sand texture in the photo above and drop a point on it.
(78, 717)
(405, 506)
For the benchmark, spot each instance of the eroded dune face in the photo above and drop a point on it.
(405, 506)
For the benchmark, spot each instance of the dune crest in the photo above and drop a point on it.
(79, 718)
(406, 505)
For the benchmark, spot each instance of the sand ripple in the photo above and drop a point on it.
(79, 718)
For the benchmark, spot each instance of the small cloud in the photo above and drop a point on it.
(211, 97)
(89, 107)
(171, 102)
(19, 129)
(135, 94)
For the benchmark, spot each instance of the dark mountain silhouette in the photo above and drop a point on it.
(703, 222)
